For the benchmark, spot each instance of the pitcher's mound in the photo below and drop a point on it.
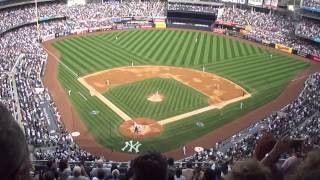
(140, 128)
(156, 97)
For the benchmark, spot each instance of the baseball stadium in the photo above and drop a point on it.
(177, 89)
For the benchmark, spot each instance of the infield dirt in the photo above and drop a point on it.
(218, 89)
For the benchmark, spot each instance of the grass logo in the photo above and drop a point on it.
(130, 145)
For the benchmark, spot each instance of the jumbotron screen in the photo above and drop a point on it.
(191, 17)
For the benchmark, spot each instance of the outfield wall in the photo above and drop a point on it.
(188, 26)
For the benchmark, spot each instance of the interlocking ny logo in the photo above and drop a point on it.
(132, 146)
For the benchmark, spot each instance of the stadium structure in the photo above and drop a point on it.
(200, 81)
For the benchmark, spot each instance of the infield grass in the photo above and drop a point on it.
(249, 66)
(178, 98)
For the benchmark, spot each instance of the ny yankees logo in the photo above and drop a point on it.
(132, 146)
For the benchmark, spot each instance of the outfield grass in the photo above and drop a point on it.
(179, 98)
(247, 65)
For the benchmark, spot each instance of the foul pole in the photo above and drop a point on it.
(37, 19)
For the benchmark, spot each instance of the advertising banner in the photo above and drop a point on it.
(248, 28)
(251, 37)
(106, 28)
(218, 31)
(129, 26)
(225, 23)
(79, 31)
(138, 18)
(283, 48)
(302, 54)
(159, 20)
(266, 42)
(270, 4)
(255, 2)
(316, 58)
(256, 39)
(274, 4)
(146, 26)
(119, 26)
(94, 29)
(243, 31)
(312, 9)
(116, 19)
(235, 1)
(160, 25)
(317, 39)
(220, 13)
(48, 37)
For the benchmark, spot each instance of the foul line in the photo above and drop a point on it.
(58, 60)
(105, 100)
(82, 96)
(201, 110)
(297, 79)
(186, 115)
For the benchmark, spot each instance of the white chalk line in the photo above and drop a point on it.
(82, 96)
(58, 60)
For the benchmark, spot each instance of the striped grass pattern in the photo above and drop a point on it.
(249, 66)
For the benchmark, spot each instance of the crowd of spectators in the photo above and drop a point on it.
(308, 28)
(18, 15)
(32, 93)
(6, 92)
(311, 3)
(297, 120)
(81, 13)
(276, 28)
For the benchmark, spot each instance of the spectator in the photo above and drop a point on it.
(77, 174)
(197, 173)
(94, 171)
(249, 170)
(310, 168)
(100, 175)
(311, 3)
(188, 171)
(64, 171)
(178, 175)
(52, 166)
(150, 166)
(114, 175)
(171, 167)
(14, 154)
(50, 175)
(209, 174)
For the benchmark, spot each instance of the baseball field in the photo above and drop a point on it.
(187, 82)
